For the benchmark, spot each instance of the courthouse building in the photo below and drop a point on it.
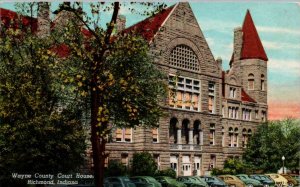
(211, 113)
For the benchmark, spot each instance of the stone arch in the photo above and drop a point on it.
(197, 132)
(232, 80)
(185, 130)
(185, 42)
(172, 130)
(249, 132)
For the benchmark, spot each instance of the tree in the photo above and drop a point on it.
(40, 128)
(270, 142)
(143, 164)
(117, 75)
(113, 72)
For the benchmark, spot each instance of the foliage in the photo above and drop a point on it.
(116, 168)
(143, 164)
(167, 172)
(231, 166)
(41, 130)
(112, 75)
(271, 141)
(116, 73)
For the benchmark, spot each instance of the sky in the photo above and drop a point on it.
(278, 25)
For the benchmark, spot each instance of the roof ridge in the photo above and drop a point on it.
(149, 26)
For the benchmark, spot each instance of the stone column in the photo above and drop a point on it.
(179, 136)
(191, 136)
(201, 137)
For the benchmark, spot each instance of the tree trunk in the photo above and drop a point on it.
(98, 139)
(94, 139)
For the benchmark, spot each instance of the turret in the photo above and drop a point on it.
(252, 60)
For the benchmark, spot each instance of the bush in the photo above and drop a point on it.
(116, 168)
(231, 167)
(143, 164)
(167, 172)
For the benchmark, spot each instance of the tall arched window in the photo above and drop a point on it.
(250, 81)
(245, 138)
(230, 131)
(235, 139)
(262, 85)
(184, 57)
(223, 137)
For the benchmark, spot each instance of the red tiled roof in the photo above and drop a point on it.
(252, 46)
(7, 16)
(148, 27)
(246, 97)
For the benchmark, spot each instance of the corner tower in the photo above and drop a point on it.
(250, 56)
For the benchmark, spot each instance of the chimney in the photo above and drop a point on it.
(121, 23)
(219, 62)
(43, 18)
(237, 43)
(64, 16)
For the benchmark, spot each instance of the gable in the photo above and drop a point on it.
(182, 28)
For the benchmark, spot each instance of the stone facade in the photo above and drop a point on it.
(212, 112)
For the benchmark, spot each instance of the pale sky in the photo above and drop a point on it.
(278, 25)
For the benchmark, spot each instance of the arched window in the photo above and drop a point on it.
(223, 137)
(262, 81)
(250, 81)
(184, 57)
(173, 130)
(230, 130)
(235, 139)
(197, 133)
(245, 138)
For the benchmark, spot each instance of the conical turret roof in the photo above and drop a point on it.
(252, 47)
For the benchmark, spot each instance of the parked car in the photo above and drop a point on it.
(145, 181)
(280, 181)
(232, 181)
(202, 181)
(169, 182)
(296, 177)
(291, 180)
(190, 181)
(248, 181)
(118, 182)
(265, 180)
(213, 181)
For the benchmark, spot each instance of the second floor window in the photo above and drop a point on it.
(123, 135)
(155, 135)
(211, 97)
(184, 93)
(212, 134)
